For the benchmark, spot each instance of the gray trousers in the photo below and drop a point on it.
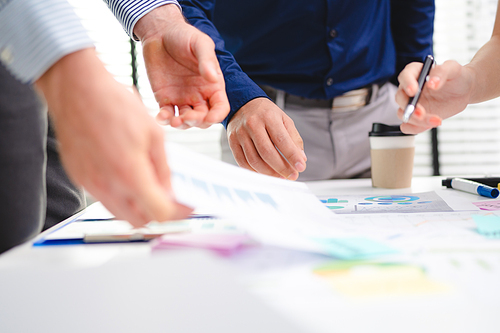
(34, 189)
(336, 143)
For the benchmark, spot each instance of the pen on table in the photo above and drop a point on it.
(490, 181)
(471, 187)
(422, 78)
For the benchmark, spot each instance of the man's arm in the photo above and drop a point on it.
(412, 26)
(109, 144)
(451, 86)
(180, 62)
(256, 127)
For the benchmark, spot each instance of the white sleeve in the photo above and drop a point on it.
(35, 34)
(128, 12)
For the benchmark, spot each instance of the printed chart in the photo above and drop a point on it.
(402, 203)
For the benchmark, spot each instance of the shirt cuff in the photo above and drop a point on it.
(35, 34)
(240, 90)
(128, 12)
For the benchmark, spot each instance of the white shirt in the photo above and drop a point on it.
(35, 34)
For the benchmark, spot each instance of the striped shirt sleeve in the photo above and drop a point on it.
(128, 12)
(35, 34)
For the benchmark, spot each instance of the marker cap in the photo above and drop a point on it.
(487, 191)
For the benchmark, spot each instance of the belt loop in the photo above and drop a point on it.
(373, 93)
(280, 99)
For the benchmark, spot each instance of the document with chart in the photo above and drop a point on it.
(273, 211)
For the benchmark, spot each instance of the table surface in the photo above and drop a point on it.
(129, 288)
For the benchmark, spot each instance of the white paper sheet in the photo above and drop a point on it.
(274, 211)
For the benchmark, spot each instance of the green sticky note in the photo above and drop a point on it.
(488, 225)
(354, 248)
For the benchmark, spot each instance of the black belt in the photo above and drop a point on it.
(349, 101)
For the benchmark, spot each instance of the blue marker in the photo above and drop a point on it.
(474, 188)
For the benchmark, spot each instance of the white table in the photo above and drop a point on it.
(129, 288)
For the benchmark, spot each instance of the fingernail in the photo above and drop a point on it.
(163, 122)
(417, 113)
(434, 82)
(434, 121)
(300, 166)
(191, 123)
(293, 176)
(304, 155)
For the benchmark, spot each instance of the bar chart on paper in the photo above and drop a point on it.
(224, 193)
(401, 203)
(231, 192)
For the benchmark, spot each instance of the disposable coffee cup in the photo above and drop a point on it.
(392, 154)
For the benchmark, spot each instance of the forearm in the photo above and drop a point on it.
(485, 69)
(239, 87)
(80, 72)
(157, 20)
(108, 142)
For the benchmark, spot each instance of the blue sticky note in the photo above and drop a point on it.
(488, 225)
(354, 248)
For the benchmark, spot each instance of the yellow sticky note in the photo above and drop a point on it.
(376, 279)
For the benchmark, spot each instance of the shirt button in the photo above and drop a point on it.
(333, 33)
(329, 81)
(6, 56)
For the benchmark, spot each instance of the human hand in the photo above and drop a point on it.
(446, 93)
(108, 142)
(183, 70)
(255, 134)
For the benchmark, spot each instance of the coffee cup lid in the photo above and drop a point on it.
(379, 129)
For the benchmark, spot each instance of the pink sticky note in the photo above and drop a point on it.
(224, 244)
(488, 204)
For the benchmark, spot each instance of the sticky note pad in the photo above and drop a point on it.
(367, 279)
(354, 248)
(488, 225)
(222, 243)
(488, 204)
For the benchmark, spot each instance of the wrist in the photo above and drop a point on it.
(156, 20)
(76, 72)
(470, 77)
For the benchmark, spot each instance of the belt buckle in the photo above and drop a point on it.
(351, 100)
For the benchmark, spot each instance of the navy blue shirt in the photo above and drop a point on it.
(314, 48)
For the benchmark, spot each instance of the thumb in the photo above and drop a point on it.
(294, 135)
(204, 51)
(449, 70)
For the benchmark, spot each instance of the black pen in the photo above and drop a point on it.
(412, 103)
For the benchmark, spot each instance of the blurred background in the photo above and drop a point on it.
(464, 145)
